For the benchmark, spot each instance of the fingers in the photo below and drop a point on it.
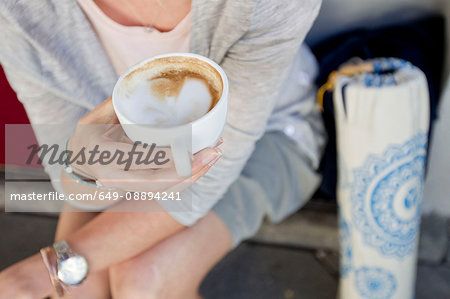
(187, 182)
(219, 142)
(160, 179)
(205, 169)
(116, 132)
(140, 180)
(138, 156)
(204, 158)
(203, 161)
(102, 114)
(112, 148)
(146, 154)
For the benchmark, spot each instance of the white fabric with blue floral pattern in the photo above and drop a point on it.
(382, 121)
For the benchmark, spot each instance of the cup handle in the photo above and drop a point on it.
(181, 157)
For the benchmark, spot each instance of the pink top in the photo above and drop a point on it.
(128, 45)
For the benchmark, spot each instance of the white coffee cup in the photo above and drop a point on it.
(184, 139)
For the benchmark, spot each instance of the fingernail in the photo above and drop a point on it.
(206, 167)
(220, 141)
(212, 156)
(219, 155)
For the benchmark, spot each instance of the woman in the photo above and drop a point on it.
(63, 58)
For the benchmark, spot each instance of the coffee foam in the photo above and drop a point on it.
(170, 91)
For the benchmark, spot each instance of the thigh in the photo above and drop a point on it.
(175, 267)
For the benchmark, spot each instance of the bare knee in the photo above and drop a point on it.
(128, 281)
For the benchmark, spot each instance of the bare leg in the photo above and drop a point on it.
(96, 285)
(175, 267)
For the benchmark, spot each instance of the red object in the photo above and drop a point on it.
(12, 112)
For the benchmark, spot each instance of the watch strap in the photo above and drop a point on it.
(48, 256)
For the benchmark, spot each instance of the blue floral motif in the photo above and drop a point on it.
(378, 80)
(346, 252)
(386, 197)
(384, 70)
(375, 283)
(384, 64)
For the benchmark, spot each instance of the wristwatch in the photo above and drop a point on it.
(72, 267)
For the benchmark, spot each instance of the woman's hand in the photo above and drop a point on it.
(27, 279)
(100, 130)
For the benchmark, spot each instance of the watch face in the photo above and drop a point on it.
(73, 270)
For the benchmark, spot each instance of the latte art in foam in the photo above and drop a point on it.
(170, 93)
(176, 100)
(151, 106)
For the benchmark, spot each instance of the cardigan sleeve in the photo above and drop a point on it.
(53, 117)
(256, 66)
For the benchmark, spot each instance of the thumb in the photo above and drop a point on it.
(102, 114)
